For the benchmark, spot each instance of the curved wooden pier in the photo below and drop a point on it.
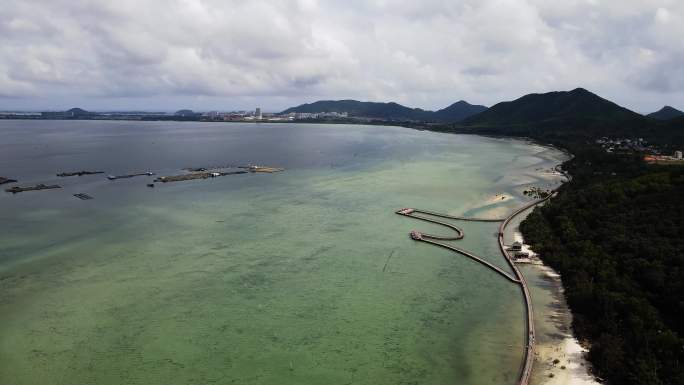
(429, 238)
(457, 218)
(518, 278)
(410, 213)
(526, 370)
(474, 257)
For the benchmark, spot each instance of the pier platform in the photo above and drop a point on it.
(78, 173)
(196, 175)
(114, 177)
(17, 189)
(262, 169)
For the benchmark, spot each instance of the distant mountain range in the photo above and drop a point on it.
(78, 112)
(569, 114)
(666, 113)
(578, 104)
(390, 111)
(458, 111)
(577, 114)
(557, 116)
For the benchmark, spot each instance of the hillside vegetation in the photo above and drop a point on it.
(390, 111)
(564, 117)
(666, 113)
(615, 234)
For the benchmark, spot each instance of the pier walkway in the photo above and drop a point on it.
(526, 369)
(467, 219)
(432, 239)
(474, 257)
(517, 278)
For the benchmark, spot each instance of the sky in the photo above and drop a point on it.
(237, 54)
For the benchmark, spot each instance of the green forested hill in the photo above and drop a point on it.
(563, 117)
(615, 233)
(578, 104)
(390, 111)
(666, 113)
(458, 112)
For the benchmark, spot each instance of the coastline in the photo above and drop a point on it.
(556, 340)
(513, 204)
(490, 352)
(559, 358)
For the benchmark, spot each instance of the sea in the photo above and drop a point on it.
(305, 276)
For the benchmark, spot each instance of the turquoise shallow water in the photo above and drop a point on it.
(301, 277)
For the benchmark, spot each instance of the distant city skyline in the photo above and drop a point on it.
(234, 55)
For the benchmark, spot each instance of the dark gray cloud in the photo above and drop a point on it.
(213, 54)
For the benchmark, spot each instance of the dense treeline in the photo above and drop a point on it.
(615, 233)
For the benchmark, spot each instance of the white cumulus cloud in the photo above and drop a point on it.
(223, 54)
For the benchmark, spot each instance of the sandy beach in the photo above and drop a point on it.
(497, 198)
(571, 368)
(492, 206)
(559, 357)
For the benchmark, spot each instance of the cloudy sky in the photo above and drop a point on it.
(239, 54)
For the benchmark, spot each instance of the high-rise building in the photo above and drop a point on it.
(257, 113)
